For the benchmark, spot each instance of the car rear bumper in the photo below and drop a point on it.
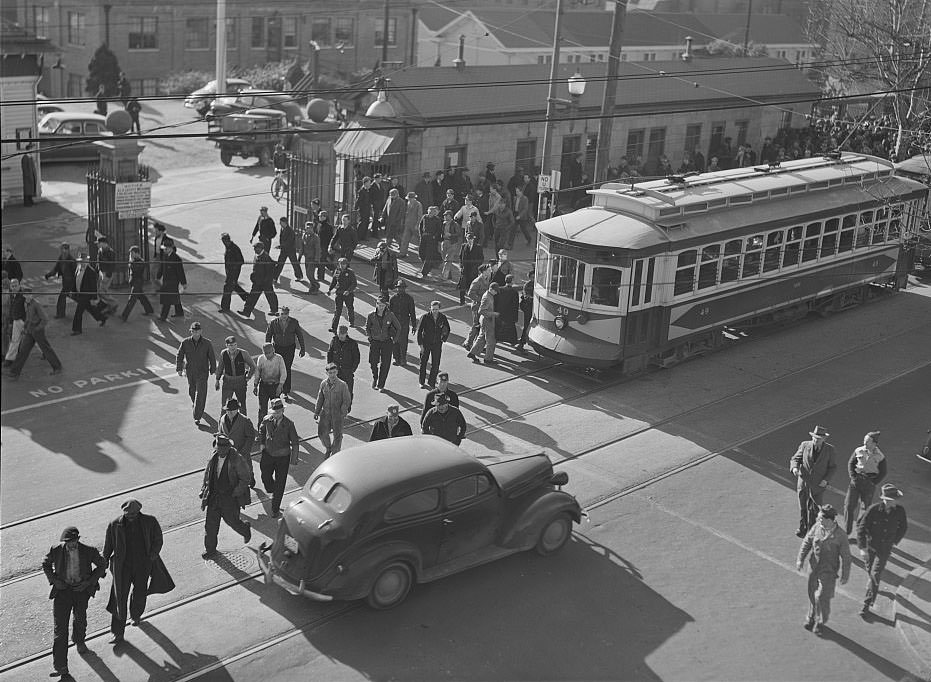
(273, 577)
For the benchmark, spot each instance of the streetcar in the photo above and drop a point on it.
(660, 271)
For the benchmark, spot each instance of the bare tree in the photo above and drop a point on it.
(884, 44)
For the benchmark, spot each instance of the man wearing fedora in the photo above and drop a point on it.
(828, 552)
(224, 491)
(239, 429)
(813, 465)
(881, 527)
(132, 547)
(74, 571)
(279, 442)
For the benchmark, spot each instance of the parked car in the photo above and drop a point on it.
(257, 99)
(375, 519)
(60, 136)
(201, 99)
(254, 133)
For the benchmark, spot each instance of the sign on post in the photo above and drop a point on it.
(133, 199)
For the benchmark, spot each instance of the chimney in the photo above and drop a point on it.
(687, 55)
(459, 62)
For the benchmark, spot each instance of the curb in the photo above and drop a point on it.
(912, 594)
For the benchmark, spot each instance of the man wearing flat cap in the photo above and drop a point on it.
(392, 425)
(382, 329)
(264, 229)
(132, 547)
(74, 571)
(444, 421)
(224, 491)
(402, 305)
(334, 400)
(385, 264)
(279, 442)
(881, 527)
(196, 357)
(813, 465)
(239, 429)
(828, 552)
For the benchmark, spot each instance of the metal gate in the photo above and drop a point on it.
(312, 175)
(103, 219)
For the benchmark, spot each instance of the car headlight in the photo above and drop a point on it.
(560, 322)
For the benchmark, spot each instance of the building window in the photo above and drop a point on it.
(657, 145)
(649, 56)
(75, 85)
(785, 119)
(541, 59)
(40, 21)
(289, 32)
(259, 36)
(742, 127)
(692, 137)
(392, 32)
(344, 31)
(320, 32)
(77, 34)
(635, 145)
(196, 33)
(455, 157)
(145, 87)
(232, 33)
(526, 155)
(623, 56)
(143, 33)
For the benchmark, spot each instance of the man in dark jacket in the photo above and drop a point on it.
(264, 229)
(344, 352)
(286, 334)
(66, 267)
(364, 206)
(881, 528)
(392, 425)
(106, 268)
(382, 329)
(137, 268)
(345, 283)
(432, 333)
(132, 547)
(386, 267)
(279, 442)
(34, 334)
(442, 388)
(239, 429)
(379, 192)
(471, 256)
(507, 304)
(196, 355)
(171, 280)
(234, 369)
(263, 281)
(224, 491)
(86, 277)
(445, 421)
(13, 269)
(74, 571)
(402, 305)
(287, 242)
(392, 215)
(233, 261)
(344, 241)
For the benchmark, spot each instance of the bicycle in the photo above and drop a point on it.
(280, 187)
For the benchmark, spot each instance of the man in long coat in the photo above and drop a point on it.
(132, 547)
(224, 491)
(171, 280)
(813, 465)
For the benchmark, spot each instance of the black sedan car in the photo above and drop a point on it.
(62, 136)
(375, 519)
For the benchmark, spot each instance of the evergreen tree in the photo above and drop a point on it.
(103, 70)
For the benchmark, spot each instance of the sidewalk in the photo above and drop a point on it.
(912, 612)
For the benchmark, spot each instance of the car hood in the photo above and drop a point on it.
(516, 476)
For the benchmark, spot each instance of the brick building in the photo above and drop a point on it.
(153, 40)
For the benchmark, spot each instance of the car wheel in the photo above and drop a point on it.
(555, 534)
(265, 156)
(226, 156)
(391, 586)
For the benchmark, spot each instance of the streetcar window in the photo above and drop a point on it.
(810, 246)
(895, 224)
(708, 270)
(879, 228)
(773, 247)
(638, 274)
(846, 235)
(685, 273)
(730, 265)
(866, 226)
(829, 241)
(606, 287)
(793, 250)
(753, 256)
(648, 286)
(541, 265)
(567, 277)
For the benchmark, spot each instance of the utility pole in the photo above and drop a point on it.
(315, 62)
(384, 33)
(747, 31)
(546, 166)
(221, 47)
(606, 123)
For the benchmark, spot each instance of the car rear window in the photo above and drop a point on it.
(330, 493)
(421, 502)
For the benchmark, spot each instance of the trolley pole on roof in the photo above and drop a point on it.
(221, 47)
(546, 167)
(606, 122)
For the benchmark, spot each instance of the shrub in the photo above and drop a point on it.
(184, 82)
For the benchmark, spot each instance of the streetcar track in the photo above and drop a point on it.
(601, 500)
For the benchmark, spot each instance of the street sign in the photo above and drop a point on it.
(133, 199)
(543, 183)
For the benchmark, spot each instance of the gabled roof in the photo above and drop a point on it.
(436, 93)
(520, 28)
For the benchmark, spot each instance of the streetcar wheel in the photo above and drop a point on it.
(555, 534)
(265, 156)
(391, 586)
(226, 156)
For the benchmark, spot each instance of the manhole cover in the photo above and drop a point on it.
(239, 560)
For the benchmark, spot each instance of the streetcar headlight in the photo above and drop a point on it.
(560, 322)
(582, 318)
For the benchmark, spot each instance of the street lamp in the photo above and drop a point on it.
(576, 84)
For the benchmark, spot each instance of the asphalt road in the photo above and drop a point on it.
(688, 576)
